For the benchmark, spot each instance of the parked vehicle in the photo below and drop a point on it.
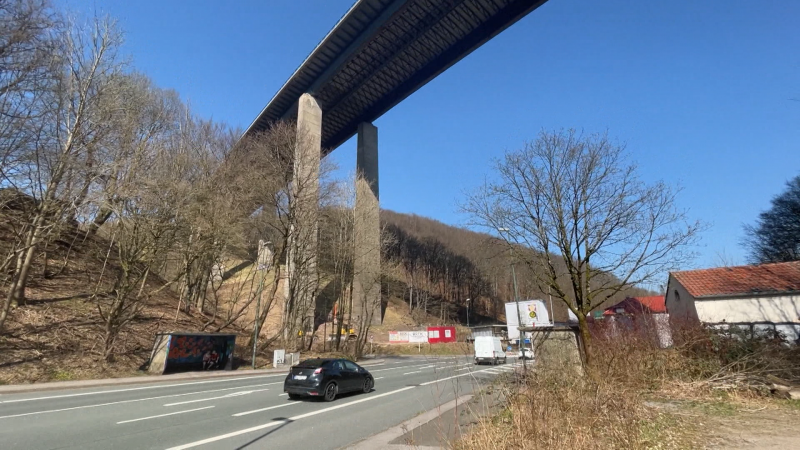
(489, 349)
(525, 353)
(327, 378)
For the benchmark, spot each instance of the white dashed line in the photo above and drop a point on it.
(165, 415)
(279, 422)
(234, 394)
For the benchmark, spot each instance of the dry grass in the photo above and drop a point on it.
(635, 395)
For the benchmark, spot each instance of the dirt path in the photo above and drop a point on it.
(767, 428)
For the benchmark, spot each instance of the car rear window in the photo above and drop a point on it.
(314, 363)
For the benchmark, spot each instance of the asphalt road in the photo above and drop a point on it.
(234, 412)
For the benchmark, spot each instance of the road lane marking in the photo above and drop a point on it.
(408, 373)
(465, 368)
(281, 395)
(290, 419)
(132, 401)
(165, 415)
(81, 394)
(264, 409)
(232, 394)
(395, 368)
(379, 378)
(454, 376)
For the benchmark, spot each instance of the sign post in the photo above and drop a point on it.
(519, 318)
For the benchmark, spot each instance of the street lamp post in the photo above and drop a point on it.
(519, 320)
(467, 313)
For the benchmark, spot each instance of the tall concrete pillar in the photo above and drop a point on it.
(367, 264)
(302, 255)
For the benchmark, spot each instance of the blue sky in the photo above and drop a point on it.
(701, 92)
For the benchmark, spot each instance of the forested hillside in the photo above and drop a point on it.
(442, 263)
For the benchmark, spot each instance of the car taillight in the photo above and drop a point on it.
(318, 371)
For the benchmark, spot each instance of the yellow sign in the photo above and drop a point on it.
(532, 311)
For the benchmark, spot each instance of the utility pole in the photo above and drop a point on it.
(519, 321)
(467, 313)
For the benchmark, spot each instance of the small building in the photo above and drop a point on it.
(500, 331)
(638, 305)
(646, 316)
(757, 297)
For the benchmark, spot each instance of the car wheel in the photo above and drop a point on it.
(367, 385)
(330, 392)
(294, 397)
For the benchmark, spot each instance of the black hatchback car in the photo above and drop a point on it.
(326, 378)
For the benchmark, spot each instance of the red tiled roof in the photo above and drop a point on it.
(764, 278)
(639, 305)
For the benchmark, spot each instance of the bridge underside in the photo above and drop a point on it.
(378, 54)
(381, 52)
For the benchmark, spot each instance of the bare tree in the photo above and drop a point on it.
(577, 203)
(264, 167)
(52, 169)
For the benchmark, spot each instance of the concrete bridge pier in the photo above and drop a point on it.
(302, 255)
(367, 230)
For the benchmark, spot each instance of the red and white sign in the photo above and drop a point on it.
(398, 337)
(438, 335)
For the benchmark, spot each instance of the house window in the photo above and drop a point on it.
(677, 296)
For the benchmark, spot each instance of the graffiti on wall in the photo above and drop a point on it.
(200, 352)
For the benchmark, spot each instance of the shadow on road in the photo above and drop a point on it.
(272, 430)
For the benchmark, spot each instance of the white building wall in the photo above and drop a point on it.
(776, 309)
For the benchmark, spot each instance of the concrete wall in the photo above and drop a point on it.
(556, 349)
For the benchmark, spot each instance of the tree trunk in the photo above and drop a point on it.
(101, 218)
(584, 343)
(23, 271)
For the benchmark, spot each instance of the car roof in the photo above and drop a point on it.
(315, 362)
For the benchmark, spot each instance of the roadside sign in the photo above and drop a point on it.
(508, 349)
(417, 336)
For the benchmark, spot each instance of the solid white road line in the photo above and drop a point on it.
(133, 401)
(379, 378)
(81, 394)
(281, 395)
(263, 409)
(279, 422)
(232, 394)
(165, 415)
(408, 373)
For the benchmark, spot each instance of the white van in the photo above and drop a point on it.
(489, 349)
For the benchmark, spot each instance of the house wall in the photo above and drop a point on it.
(775, 309)
(680, 304)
